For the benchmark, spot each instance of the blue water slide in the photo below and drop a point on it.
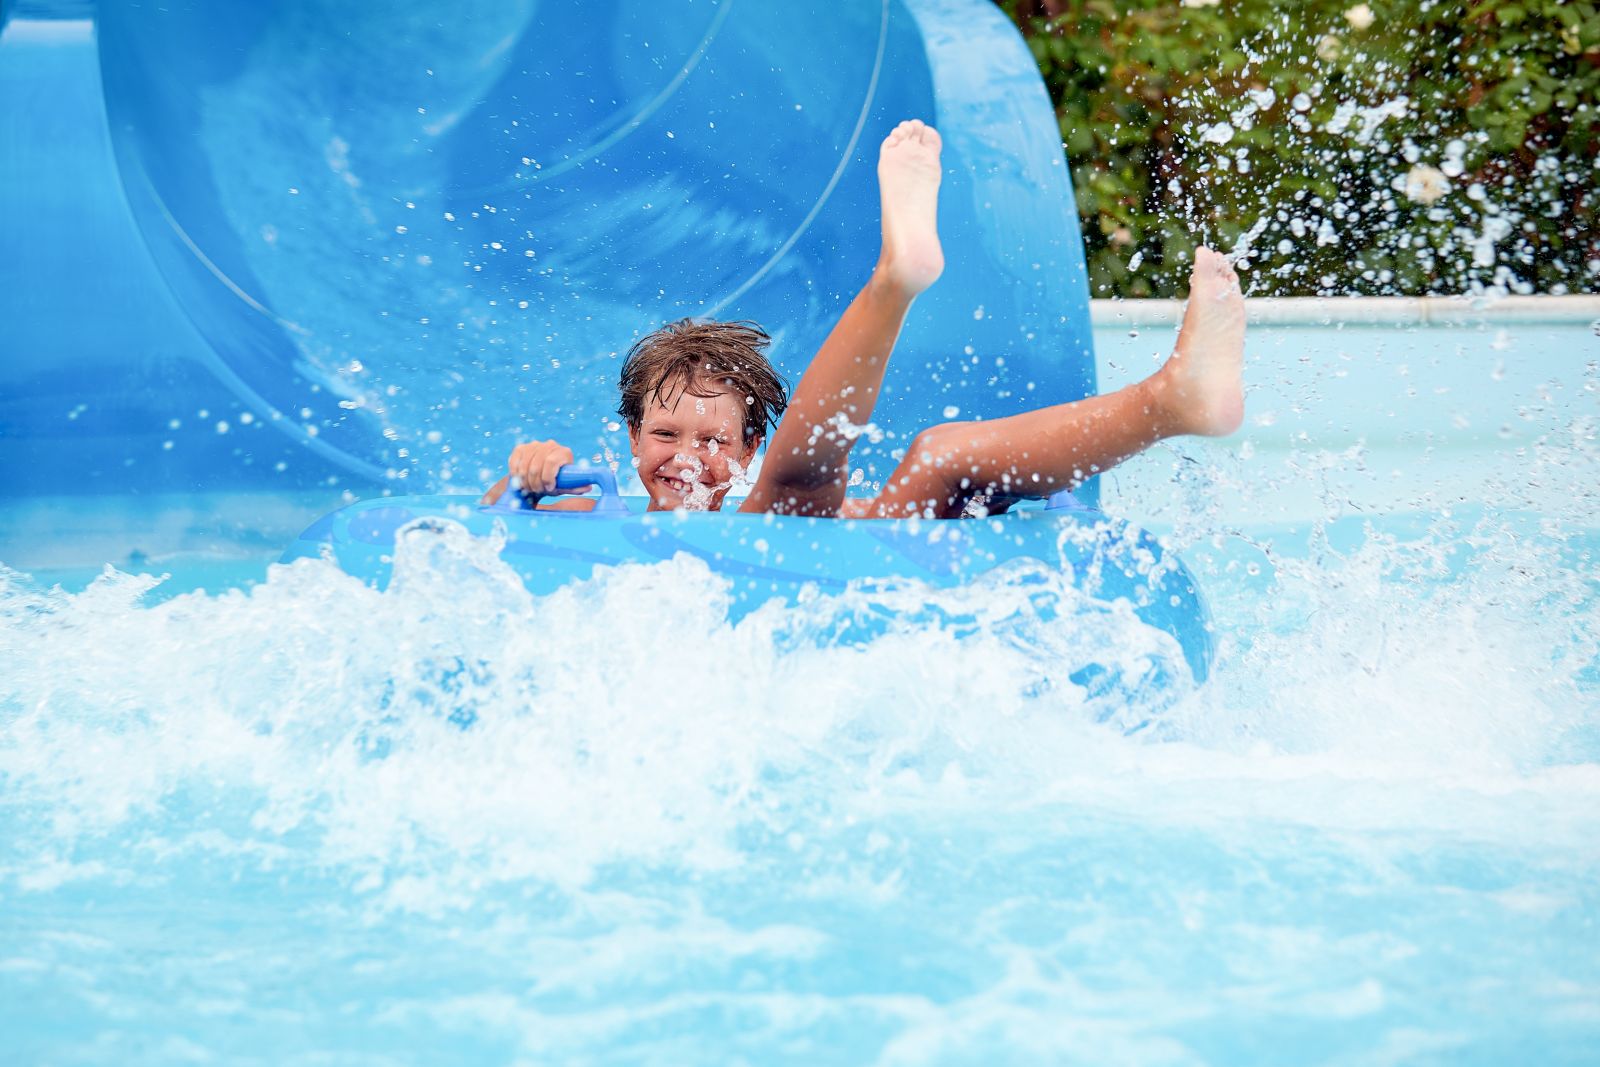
(402, 235)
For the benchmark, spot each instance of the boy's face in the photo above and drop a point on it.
(691, 450)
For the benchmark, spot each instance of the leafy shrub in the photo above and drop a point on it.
(1409, 146)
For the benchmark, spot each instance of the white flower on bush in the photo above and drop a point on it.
(1425, 184)
(1199, 3)
(1359, 17)
(1330, 48)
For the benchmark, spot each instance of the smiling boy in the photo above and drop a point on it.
(699, 398)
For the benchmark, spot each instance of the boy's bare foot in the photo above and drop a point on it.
(1200, 390)
(908, 182)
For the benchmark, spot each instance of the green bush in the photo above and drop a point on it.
(1402, 147)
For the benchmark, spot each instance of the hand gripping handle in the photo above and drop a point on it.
(575, 476)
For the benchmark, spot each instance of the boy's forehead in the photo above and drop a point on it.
(676, 401)
(687, 408)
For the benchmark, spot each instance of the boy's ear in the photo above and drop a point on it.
(633, 439)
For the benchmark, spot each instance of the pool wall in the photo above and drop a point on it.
(1363, 405)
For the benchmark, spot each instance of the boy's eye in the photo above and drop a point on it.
(663, 434)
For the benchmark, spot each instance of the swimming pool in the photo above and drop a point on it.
(292, 820)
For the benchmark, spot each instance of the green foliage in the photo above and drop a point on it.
(1409, 146)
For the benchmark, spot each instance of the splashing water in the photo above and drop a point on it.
(472, 670)
(1350, 162)
(649, 828)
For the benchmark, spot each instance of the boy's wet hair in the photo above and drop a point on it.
(703, 359)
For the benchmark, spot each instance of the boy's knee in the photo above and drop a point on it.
(940, 445)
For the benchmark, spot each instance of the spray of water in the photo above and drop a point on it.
(458, 727)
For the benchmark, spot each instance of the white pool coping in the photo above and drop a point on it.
(1365, 311)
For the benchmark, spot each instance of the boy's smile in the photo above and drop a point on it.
(690, 450)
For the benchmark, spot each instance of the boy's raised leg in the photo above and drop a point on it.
(806, 470)
(1198, 391)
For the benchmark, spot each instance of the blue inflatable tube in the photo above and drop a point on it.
(768, 556)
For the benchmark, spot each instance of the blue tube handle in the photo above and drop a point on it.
(578, 475)
(574, 476)
(1065, 500)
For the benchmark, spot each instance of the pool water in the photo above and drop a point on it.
(265, 814)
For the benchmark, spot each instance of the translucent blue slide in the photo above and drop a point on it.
(404, 235)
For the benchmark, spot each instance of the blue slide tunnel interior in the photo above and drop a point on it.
(379, 242)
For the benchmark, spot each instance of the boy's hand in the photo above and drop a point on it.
(533, 468)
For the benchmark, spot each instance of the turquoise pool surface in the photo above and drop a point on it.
(255, 814)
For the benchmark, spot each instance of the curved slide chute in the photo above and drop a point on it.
(405, 234)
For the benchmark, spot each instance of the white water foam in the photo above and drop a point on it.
(456, 730)
(621, 719)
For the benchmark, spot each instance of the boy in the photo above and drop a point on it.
(699, 398)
